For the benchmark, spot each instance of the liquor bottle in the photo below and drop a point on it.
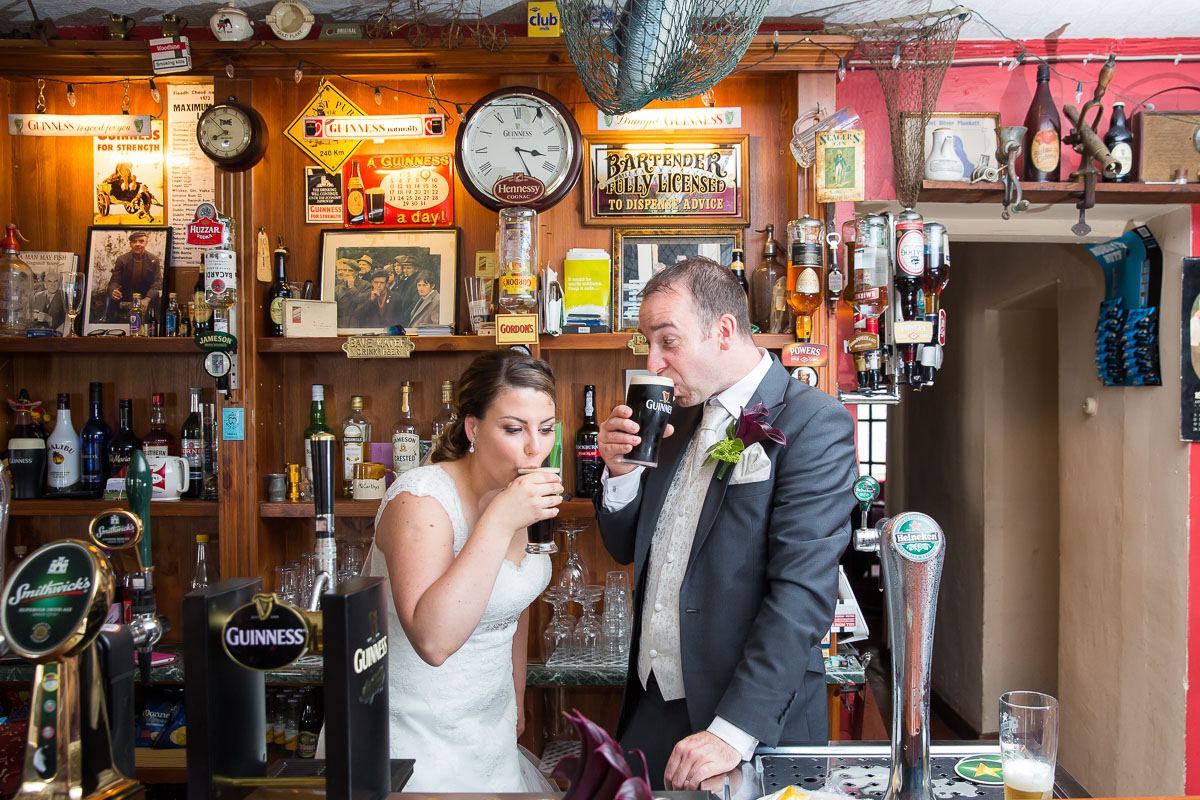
(94, 439)
(356, 199)
(135, 316)
(63, 448)
(356, 442)
(186, 312)
(1042, 148)
(738, 267)
(26, 458)
(124, 442)
(446, 415)
(909, 280)
(171, 317)
(310, 726)
(191, 440)
(26, 402)
(406, 436)
(220, 279)
(205, 573)
(316, 424)
(588, 464)
(159, 441)
(202, 318)
(279, 291)
(210, 438)
(16, 288)
(937, 277)
(805, 245)
(1119, 142)
(768, 295)
(517, 261)
(871, 278)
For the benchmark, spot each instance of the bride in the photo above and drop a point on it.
(450, 540)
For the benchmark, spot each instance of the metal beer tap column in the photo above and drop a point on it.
(911, 550)
(325, 546)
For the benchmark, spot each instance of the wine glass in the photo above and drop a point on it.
(73, 286)
(558, 633)
(574, 574)
(588, 631)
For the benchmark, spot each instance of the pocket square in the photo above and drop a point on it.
(754, 466)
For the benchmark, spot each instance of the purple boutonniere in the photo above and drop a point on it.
(747, 429)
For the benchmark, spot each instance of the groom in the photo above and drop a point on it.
(735, 578)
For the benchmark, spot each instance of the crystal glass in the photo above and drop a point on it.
(1028, 744)
(73, 289)
(574, 574)
(558, 633)
(287, 583)
(588, 631)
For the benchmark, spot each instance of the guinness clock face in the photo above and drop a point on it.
(232, 135)
(518, 146)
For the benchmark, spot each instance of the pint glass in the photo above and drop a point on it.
(541, 533)
(651, 398)
(1028, 744)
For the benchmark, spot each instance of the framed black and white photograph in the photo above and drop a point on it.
(638, 253)
(405, 277)
(122, 262)
(49, 269)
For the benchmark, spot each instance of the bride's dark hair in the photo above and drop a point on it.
(477, 390)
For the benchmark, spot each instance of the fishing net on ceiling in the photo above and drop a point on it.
(630, 52)
(910, 56)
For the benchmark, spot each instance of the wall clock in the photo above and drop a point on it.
(233, 135)
(518, 146)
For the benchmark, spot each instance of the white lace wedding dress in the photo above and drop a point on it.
(459, 720)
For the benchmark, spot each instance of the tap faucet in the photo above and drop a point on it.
(911, 549)
(325, 546)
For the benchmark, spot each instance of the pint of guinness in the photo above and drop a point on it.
(651, 397)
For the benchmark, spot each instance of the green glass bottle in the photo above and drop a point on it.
(316, 424)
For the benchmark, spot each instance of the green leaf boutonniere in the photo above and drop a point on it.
(747, 429)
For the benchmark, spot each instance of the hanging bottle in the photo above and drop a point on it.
(517, 261)
(805, 263)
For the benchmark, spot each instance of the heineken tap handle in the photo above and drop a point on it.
(866, 489)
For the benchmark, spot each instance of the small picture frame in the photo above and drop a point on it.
(974, 132)
(405, 277)
(638, 253)
(122, 262)
(49, 269)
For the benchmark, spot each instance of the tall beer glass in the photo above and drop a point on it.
(651, 397)
(1028, 744)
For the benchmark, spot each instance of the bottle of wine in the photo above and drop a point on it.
(63, 450)
(588, 464)
(159, 441)
(356, 199)
(1042, 148)
(316, 424)
(120, 449)
(192, 446)
(279, 291)
(94, 439)
(356, 441)
(406, 436)
(1119, 142)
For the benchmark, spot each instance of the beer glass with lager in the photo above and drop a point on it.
(1028, 744)
(652, 399)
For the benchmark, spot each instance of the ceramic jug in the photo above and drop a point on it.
(943, 163)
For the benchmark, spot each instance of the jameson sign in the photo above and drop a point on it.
(48, 598)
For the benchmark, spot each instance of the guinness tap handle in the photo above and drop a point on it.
(322, 462)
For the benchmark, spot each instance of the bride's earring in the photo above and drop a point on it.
(471, 449)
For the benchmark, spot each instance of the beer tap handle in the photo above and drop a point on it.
(138, 488)
(322, 445)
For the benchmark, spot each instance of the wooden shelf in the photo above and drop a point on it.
(98, 344)
(1060, 192)
(450, 344)
(89, 508)
(368, 508)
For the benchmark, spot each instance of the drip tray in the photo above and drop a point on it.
(862, 771)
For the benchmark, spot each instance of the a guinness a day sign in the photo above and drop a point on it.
(265, 634)
(56, 600)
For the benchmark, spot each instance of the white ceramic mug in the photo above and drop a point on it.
(168, 477)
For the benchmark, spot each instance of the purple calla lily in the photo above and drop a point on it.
(751, 428)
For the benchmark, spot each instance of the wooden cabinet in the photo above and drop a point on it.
(49, 195)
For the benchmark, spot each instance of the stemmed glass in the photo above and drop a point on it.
(73, 285)
(558, 632)
(574, 574)
(587, 632)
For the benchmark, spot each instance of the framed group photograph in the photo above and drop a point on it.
(122, 262)
(638, 253)
(380, 278)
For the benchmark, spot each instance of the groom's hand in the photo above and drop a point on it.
(697, 758)
(618, 435)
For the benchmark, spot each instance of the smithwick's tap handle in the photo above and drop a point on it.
(323, 470)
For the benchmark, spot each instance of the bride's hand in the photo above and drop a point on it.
(527, 500)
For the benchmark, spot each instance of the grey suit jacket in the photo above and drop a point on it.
(760, 586)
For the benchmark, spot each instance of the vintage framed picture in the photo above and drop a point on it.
(49, 308)
(390, 276)
(694, 178)
(122, 262)
(973, 135)
(638, 253)
(841, 166)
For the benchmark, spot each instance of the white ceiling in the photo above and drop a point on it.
(1020, 19)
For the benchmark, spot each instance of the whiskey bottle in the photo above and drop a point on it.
(159, 441)
(446, 415)
(94, 439)
(316, 424)
(804, 280)
(356, 199)
(588, 464)
(406, 436)
(356, 441)
(1042, 148)
(63, 450)
(278, 292)
(192, 446)
(120, 449)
